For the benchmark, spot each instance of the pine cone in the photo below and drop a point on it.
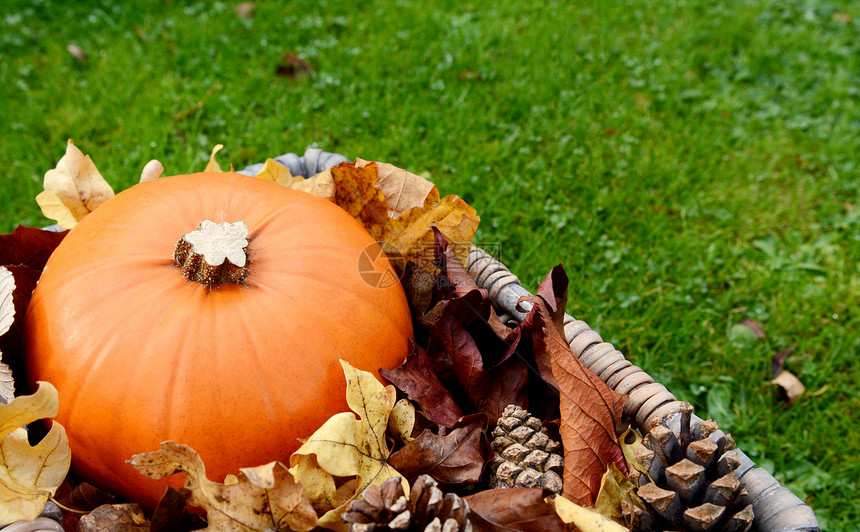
(692, 485)
(427, 509)
(525, 456)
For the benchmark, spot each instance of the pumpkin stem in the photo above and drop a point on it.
(214, 253)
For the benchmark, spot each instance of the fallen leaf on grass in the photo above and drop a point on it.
(293, 67)
(246, 10)
(585, 519)
(115, 517)
(513, 509)
(73, 189)
(778, 360)
(789, 385)
(590, 410)
(77, 52)
(30, 475)
(346, 447)
(261, 498)
(457, 456)
(753, 326)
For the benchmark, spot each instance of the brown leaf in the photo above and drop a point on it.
(293, 67)
(402, 189)
(491, 385)
(513, 509)
(458, 456)
(754, 326)
(85, 496)
(417, 378)
(171, 515)
(29, 246)
(789, 385)
(778, 360)
(589, 408)
(114, 518)
(263, 498)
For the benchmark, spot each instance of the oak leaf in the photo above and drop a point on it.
(346, 447)
(260, 498)
(455, 456)
(73, 189)
(513, 509)
(589, 409)
(30, 475)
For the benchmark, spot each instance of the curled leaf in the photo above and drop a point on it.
(30, 475)
(151, 171)
(260, 498)
(212, 165)
(790, 386)
(347, 447)
(73, 189)
(585, 519)
(275, 172)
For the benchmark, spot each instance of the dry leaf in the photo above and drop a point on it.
(261, 498)
(151, 171)
(171, 515)
(292, 66)
(77, 52)
(585, 519)
(456, 456)
(212, 165)
(320, 185)
(115, 518)
(778, 360)
(7, 318)
(347, 447)
(402, 189)
(73, 189)
(590, 410)
(411, 232)
(29, 246)
(790, 386)
(30, 475)
(614, 488)
(275, 172)
(513, 509)
(630, 448)
(401, 422)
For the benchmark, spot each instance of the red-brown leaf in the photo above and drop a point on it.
(455, 457)
(417, 378)
(513, 509)
(589, 408)
(28, 246)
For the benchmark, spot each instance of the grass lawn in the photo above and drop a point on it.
(690, 163)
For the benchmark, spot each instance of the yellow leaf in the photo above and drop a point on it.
(212, 165)
(402, 189)
(73, 189)
(586, 519)
(402, 420)
(614, 488)
(347, 447)
(259, 498)
(277, 173)
(630, 449)
(320, 185)
(30, 475)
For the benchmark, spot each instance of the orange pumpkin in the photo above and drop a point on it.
(237, 370)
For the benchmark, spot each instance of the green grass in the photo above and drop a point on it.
(691, 164)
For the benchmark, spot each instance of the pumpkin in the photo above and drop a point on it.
(237, 360)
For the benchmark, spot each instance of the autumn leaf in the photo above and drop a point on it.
(171, 514)
(417, 378)
(262, 498)
(29, 246)
(346, 447)
(73, 189)
(402, 189)
(589, 408)
(456, 456)
(7, 318)
(30, 475)
(411, 230)
(275, 172)
(585, 519)
(401, 422)
(513, 510)
(212, 165)
(151, 171)
(110, 517)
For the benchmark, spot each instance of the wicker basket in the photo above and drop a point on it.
(776, 508)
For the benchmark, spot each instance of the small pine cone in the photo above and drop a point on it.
(383, 508)
(692, 484)
(525, 456)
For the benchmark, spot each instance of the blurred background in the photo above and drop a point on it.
(693, 164)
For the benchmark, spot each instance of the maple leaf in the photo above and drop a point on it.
(454, 457)
(30, 475)
(589, 408)
(73, 189)
(347, 447)
(513, 509)
(261, 498)
(401, 189)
